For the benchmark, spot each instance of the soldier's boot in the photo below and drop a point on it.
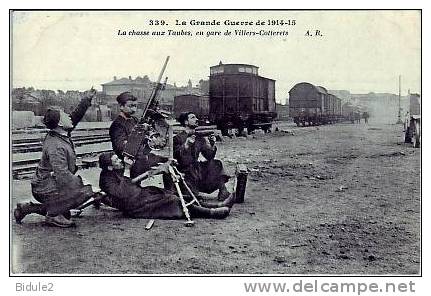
(23, 209)
(214, 213)
(108, 201)
(228, 202)
(223, 193)
(59, 221)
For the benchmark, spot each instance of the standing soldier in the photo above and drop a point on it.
(201, 176)
(55, 184)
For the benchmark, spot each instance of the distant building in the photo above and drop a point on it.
(142, 88)
(382, 107)
(204, 86)
(344, 95)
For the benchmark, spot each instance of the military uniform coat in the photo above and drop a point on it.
(201, 176)
(148, 202)
(54, 183)
(119, 132)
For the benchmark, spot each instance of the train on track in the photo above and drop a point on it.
(314, 105)
(238, 98)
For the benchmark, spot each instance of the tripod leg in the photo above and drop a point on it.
(194, 199)
(97, 197)
(189, 222)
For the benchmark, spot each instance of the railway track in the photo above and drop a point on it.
(27, 149)
(23, 169)
(34, 145)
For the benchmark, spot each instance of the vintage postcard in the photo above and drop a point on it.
(216, 142)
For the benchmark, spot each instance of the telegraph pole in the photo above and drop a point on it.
(399, 100)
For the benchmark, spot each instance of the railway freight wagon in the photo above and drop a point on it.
(199, 105)
(240, 98)
(313, 105)
(334, 111)
(328, 112)
(307, 103)
(338, 112)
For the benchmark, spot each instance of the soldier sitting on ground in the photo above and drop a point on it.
(201, 176)
(150, 201)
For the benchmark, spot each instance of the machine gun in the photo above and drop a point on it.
(150, 127)
(205, 133)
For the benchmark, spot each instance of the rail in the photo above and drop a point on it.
(26, 152)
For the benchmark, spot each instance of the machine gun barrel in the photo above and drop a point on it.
(203, 133)
(139, 133)
(152, 101)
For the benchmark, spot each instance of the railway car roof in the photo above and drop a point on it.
(322, 90)
(319, 89)
(235, 65)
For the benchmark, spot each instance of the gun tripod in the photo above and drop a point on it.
(178, 179)
(95, 200)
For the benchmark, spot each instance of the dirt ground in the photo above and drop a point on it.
(336, 199)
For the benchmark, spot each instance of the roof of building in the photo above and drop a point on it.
(127, 81)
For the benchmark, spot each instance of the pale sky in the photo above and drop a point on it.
(360, 51)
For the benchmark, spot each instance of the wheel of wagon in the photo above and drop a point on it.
(265, 129)
(224, 131)
(407, 136)
(250, 130)
(240, 132)
(270, 128)
(223, 128)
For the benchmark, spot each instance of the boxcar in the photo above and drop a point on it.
(199, 105)
(313, 105)
(240, 98)
(307, 103)
(338, 113)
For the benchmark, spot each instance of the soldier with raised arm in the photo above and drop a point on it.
(54, 183)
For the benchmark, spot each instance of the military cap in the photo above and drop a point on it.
(51, 118)
(124, 97)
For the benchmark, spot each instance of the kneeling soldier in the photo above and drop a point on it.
(55, 184)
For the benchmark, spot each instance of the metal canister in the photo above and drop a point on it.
(241, 182)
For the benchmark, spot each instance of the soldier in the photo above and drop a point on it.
(201, 176)
(55, 184)
(149, 201)
(120, 130)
